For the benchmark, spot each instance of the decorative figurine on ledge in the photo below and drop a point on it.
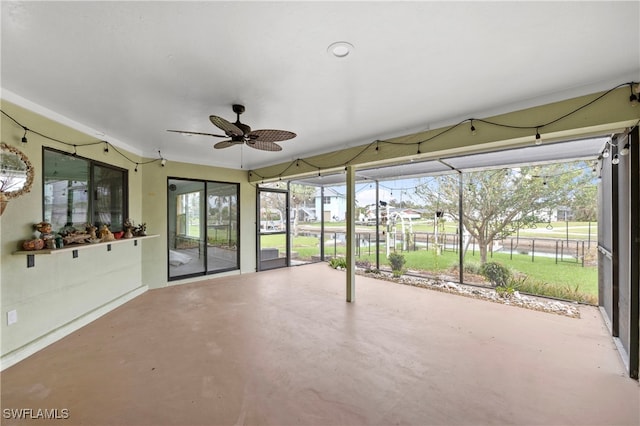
(71, 235)
(37, 244)
(44, 228)
(91, 229)
(45, 234)
(105, 234)
(75, 237)
(128, 229)
(141, 230)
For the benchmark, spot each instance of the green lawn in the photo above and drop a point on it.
(565, 280)
(543, 269)
(543, 273)
(546, 270)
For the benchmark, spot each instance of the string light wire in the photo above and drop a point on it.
(375, 144)
(75, 146)
(538, 138)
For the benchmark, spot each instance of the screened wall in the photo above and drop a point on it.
(618, 251)
(562, 239)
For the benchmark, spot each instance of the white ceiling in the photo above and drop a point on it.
(132, 70)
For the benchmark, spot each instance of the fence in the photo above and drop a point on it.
(563, 250)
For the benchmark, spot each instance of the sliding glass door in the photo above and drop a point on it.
(222, 227)
(203, 227)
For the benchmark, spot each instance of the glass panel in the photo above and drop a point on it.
(537, 232)
(109, 199)
(187, 250)
(305, 224)
(334, 208)
(366, 221)
(66, 184)
(273, 229)
(222, 226)
(273, 207)
(428, 238)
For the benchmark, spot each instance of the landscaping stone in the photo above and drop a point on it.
(569, 309)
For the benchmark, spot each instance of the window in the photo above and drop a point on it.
(326, 200)
(78, 191)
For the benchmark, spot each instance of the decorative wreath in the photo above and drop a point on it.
(7, 195)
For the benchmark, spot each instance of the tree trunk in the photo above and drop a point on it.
(295, 220)
(483, 251)
(466, 246)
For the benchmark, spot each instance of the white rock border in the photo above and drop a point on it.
(569, 309)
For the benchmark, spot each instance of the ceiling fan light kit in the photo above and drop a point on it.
(240, 133)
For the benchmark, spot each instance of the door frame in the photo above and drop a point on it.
(279, 262)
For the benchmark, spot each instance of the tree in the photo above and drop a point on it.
(584, 204)
(498, 202)
(299, 196)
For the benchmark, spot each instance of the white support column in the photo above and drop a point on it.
(351, 238)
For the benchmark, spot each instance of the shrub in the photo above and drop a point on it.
(566, 292)
(472, 268)
(505, 291)
(469, 268)
(397, 261)
(518, 280)
(496, 273)
(338, 262)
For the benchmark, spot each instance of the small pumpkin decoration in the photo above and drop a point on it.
(37, 244)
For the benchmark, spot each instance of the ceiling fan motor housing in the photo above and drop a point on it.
(238, 109)
(245, 129)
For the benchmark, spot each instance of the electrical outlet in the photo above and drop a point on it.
(12, 317)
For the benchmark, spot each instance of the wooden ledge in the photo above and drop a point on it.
(72, 247)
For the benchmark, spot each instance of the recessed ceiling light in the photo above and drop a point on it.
(340, 49)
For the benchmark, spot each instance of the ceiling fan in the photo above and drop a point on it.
(240, 133)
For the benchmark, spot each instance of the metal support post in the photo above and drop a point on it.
(351, 226)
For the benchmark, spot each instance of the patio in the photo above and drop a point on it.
(282, 347)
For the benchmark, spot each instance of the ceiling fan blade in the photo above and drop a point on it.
(184, 132)
(229, 128)
(270, 135)
(264, 145)
(226, 144)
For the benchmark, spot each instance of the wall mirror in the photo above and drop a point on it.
(16, 174)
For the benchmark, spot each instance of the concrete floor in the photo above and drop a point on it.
(283, 348)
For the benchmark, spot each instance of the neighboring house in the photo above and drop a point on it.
(333, 206)
(368, 217)
(558, 214)
(412, 214)
(305, 214)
